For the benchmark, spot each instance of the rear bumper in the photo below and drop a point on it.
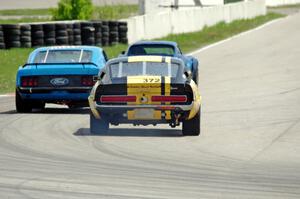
(55, 94)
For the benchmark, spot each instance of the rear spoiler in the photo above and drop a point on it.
(67, 63)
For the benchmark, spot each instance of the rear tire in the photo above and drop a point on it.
(98, 126)
(192, 127)
(22, 106)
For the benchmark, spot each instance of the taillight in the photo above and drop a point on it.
(117, 98)
(29, 81)
(174, 98)
(87, 81)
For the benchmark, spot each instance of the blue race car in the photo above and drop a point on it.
(163, 48)
(60, 75)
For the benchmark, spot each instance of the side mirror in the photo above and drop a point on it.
(188, 75)
(123, 52)
(102, 74)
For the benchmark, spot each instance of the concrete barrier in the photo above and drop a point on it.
(161, 24)
(281, 2)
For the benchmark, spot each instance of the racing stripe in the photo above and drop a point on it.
(167, 93)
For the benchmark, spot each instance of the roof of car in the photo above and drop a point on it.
(130, 59)
(171, 43)
(68, 48)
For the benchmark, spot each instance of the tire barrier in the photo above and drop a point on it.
(49, 34)
(113, 32)
(99, 33)
(2, 42)
(25, 38)
(12, 33)
(37, 35)
(122, 30)
(87, 33)
(105, 33)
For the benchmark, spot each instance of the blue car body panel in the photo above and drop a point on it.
(54, 94)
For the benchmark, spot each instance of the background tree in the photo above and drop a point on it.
(73, 9)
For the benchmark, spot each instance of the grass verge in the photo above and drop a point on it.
(12, 59)
(113, 12)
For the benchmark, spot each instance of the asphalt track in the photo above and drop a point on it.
(249, 147)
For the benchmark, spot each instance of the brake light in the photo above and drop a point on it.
(116, 99)
(174, 98)
(87, 81)
(29, 81)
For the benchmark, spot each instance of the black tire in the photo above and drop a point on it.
(1, 40)
(123, 29)
(25, 39)
(98, 126)
(113, 34)
(77, 37)
(105, 29)
(76, 26)
(89, 41)
(22, 106)
(2, 46)
(26, 33)
(114, 28)
(123, 35)
(76, 31)
(36, 27)
(26, 45)
(37, 34)
(1, 33)
(14, 31)
(37, 42)
(50, 34)
(10, 26)
(105, 34)
(25, 28)
(50, 41)
(77, 43)
(61, 33)
(122, 23)
(49, 27)
(1, 28)
(62, 40)
(14, 44)
(86, 24)
(60, 26)
(192, 127)
(124, 41)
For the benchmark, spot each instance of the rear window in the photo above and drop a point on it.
(164, 50)
(63, 56)
(124, 69)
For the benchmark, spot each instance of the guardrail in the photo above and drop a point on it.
(99, 33)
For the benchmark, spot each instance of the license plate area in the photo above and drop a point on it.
(144, 113)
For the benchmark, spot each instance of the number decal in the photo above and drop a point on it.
(151, 80)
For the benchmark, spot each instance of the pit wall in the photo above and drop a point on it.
(281, 2)
(157, 25)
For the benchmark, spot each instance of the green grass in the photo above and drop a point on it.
(12, 59)
(115, 12)
(25, 12)
(100, 13)
(286, 6)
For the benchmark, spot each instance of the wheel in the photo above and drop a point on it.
(192, 127)
(98, 126)
(22, 106)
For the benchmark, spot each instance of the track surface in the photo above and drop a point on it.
(249, 147)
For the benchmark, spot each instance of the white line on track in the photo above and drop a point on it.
(212, 45)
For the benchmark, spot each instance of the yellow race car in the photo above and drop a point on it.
(145, 90)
